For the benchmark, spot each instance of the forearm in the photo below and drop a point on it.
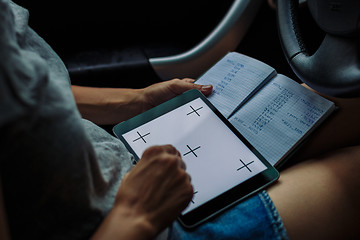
(113, 105)
(107, 105)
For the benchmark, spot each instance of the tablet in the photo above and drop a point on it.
(223, 166)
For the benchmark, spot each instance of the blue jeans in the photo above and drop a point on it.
(254, 218)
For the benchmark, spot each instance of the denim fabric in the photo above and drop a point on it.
(254, 218)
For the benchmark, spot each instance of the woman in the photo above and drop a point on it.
(65, 178)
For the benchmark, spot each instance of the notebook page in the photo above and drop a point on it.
(278, 116)
(234, 78)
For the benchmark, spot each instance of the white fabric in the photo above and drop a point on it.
(60, 173)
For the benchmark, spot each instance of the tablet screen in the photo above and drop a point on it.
(216, 158)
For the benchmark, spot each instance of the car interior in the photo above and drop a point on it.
(134, 44)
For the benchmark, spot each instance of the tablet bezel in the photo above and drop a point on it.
(224, 200)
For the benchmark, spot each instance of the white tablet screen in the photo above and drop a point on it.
(215, 157)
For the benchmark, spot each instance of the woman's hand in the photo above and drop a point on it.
(150, 197)
(161, 92)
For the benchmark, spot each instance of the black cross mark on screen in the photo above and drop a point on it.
(191, 150)
(245, 165)
(194, 111)
(141, 137)
(194, 196)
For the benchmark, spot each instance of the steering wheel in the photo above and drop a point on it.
(334, 68)
(225, 37)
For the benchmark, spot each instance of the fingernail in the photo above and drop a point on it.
(206, 87)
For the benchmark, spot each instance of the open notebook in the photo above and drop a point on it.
(272, 111)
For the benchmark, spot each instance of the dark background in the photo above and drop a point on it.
(93, 33)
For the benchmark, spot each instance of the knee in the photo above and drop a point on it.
(343, 166)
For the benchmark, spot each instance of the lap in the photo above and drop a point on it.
(318, 198)
(342, 129)
(254, 218)
(317, 195)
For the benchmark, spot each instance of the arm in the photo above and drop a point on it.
(155, 192)
(107, 105)
(150, 197)
(113, 105)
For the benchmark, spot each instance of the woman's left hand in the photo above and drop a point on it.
(161, 92)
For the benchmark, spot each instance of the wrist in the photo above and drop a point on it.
(138, 225)
(124, 103)
(124, 223)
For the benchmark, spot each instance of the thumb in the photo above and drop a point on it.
(186, 85)
(205, 89)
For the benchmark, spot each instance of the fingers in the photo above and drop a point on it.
(182, 164)
(169, 166)
(155, 150)
(172, 150)
(188, 80)
(158, 188)
(181, 86)
(206, 89)
(167, 149)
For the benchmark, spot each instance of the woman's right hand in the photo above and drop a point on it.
(152, 194)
